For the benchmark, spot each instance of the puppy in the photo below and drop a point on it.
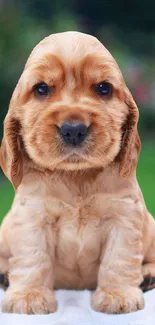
(70, 149)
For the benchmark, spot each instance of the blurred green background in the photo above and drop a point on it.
(127, 29)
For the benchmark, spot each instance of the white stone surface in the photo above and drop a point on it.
(74, 309)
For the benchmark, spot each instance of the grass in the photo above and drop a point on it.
(145, 175)
(6, 194)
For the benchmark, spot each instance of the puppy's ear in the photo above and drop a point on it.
(10, 151)
(131, 144)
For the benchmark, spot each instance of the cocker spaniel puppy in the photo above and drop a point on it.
(70, 149)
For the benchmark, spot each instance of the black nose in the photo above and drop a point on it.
(73, 133)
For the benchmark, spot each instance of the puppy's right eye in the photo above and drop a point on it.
(103, 89)
(41, 89)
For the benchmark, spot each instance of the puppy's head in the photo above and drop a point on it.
(70, 110)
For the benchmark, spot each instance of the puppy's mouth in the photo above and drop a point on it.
(73, 155)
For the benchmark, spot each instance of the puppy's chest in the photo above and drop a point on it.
(79, 211)
(77, 225)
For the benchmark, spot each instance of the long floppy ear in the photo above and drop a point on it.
(10, 151)
(131, 144)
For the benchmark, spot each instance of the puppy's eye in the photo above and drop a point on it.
(42, 89)
(103, 89)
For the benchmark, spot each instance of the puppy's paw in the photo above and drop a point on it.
(38, 300)
(117, 300)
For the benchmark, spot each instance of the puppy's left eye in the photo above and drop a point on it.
(42, 89)
(103, 89)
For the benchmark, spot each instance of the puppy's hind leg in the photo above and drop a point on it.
(148, 271)
(4, 263)
(148, 267)
(5, 252)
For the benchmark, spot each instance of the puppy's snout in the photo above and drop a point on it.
(73, 133)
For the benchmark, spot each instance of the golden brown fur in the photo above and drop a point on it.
(78, 219)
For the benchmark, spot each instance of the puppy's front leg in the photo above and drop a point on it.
(120, 272)
(31, 268)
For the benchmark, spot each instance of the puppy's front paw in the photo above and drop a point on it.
(117, 300)
(30, 301)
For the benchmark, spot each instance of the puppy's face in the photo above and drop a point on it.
(71, 103)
